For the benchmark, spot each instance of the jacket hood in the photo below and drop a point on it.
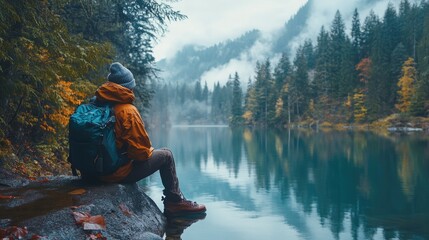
(112, 92)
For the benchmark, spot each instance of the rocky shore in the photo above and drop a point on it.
(65, 207)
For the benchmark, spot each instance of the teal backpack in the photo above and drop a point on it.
(92, 147)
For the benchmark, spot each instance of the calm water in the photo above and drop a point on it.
(261, 184)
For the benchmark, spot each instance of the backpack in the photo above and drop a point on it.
(92, 147)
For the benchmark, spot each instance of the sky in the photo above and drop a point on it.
(210, 22)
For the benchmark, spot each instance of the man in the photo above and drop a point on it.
(131, 136)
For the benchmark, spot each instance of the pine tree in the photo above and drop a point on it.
(299, 87)
(309, 55)
(281, 71)
(408, 27)
(356, 36)
(420, 102)
(236, 104)
(399, 56)
(263, 83)
(250, 104)
(382, 90)
(370, 28)
(337, 47)
(205, 93)
(322, 75)
(216, 104)
(198, 92)
(282, 75)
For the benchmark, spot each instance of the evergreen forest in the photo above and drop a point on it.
(377, 70)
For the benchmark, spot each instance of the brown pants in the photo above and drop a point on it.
(162, 160)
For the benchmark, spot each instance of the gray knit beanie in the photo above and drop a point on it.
(121, 75)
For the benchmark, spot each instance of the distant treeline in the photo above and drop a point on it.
(54, 54)
(381, 67)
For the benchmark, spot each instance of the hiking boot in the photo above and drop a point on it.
(182, 207)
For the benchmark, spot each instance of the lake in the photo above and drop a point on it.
(272, 184)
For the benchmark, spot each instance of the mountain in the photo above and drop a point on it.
(194, 62)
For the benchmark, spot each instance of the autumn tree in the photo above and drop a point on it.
(360, 110)
(406, 86)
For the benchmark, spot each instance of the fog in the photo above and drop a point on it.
(322, 14)
(244, 65)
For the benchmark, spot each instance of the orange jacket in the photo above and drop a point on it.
(129, 127)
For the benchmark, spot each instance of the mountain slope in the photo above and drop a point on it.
(192, 61)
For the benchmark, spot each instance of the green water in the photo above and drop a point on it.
(262, 184)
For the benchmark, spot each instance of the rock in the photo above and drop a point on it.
(46, 209)
(404, 129)
(10, 180)
(147, 236)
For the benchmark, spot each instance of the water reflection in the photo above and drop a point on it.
(302, 184)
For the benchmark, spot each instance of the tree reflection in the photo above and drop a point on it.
(354, 182)
(374, 180)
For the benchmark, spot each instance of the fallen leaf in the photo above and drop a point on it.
(7, 197)
(77, 191)
(36, 237)
(80, 217)
(92, 226)
(13, 232)
(97, 236)
(125, 210)
(75, 207)
(90, 222)
(43, 180)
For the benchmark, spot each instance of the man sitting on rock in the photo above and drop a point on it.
(131, 135)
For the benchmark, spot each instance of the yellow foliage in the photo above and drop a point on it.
(348, 102)
(311, 106)
(406, 85)
(248, 116)
(360, 110)
(279, 107)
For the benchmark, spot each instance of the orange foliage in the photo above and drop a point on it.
(68, 99)
(364, 67)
